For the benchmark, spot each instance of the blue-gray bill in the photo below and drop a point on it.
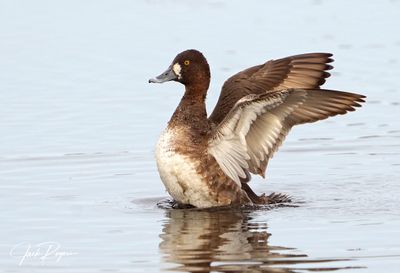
(168, 75)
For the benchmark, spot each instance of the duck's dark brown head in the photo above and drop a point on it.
(189, 67)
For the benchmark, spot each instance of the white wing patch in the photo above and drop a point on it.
(257, 125)
(267, 133)
(249, 132)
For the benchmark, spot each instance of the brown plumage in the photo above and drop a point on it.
(207, 162)
(299, 71)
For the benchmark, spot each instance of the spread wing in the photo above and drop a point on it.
(257, 125)
(305, 71)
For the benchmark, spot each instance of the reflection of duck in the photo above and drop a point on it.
(206, 162)
(218, 241)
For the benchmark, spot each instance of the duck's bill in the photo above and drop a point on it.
(168, 75)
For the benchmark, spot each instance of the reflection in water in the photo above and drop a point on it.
(224, 241)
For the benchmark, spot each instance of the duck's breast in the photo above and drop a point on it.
(178, 171)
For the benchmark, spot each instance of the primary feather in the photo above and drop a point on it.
(257, 125)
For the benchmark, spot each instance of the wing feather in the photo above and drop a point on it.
(299, 71)
(258, 124)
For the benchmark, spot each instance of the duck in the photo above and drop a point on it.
(208, 161)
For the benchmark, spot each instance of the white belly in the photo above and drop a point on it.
(178, 173)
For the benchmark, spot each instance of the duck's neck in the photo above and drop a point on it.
(191, 111)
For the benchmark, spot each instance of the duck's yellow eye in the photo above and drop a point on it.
(187, 62)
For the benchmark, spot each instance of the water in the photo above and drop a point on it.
(79, 123)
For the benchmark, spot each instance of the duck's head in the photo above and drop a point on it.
(189, 67)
